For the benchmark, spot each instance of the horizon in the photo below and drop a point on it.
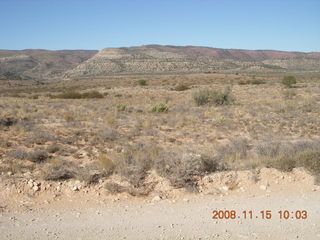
(289, 25)
(163, 45)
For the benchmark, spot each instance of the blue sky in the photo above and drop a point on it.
(292, 25)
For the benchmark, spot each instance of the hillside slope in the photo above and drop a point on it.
(168, 59)
(39, 64)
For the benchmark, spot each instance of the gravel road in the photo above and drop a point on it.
(186, 218)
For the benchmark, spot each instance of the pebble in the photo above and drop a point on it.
(75, 188)
(30, 183)
(156, 199)
(10, 173)
(225, 188)
(36, 188)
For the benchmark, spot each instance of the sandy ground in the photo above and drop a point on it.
(184, 218)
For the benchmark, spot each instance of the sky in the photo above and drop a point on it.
(290, 25)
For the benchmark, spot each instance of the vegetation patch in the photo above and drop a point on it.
(213, 97)
(289, 81)
(77, 95)
(181, 87)
(252, 82)
(161, 107)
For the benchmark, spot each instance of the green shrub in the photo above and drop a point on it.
(288, 81)
(212, 97)
(34, 97)
(181, 87)
(121, 107)
(161, 107)
(142, 82)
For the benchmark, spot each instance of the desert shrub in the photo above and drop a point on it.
(142, 82)
(231, 155)
(181, 87)
(134, 162)
(37, 156)
(19, 153)
(40, 137)
(53, 148)
(77, 95)
(212, 97)
(34, 97)
(57, 169)
(106, 163)
(68, 116)
(183, 169)
(121, 107)
(288, 81)
(107, 134)
(288, 155)
(310, 159)
(7, 121)
(161, 107)
(92, 94)
(252, 82)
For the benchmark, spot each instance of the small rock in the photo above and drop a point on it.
(225, 188)
(156, 199)
(9, 173)
(36, 184)
(36, 188)
(186, 200)
(75, 188)
(30, 183)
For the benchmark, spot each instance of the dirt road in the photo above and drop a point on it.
(186, 218)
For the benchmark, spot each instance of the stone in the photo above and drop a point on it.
(30, 183)
(225, 188)
(36, 188)
(156, 199)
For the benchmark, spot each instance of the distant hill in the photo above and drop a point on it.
(175, 59)
(40, 64)
(44, 64)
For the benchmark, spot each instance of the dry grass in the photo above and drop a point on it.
(267, 126)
